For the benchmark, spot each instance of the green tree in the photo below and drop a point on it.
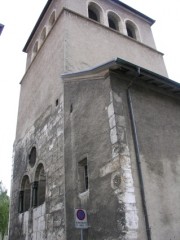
(4, 210)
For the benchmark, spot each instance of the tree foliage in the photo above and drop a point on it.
(4, 210)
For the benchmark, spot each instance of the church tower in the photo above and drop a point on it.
(93, 79)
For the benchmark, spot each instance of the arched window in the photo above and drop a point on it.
(39, 186)
(52, 19)
(43, 34)
(35, 49)
(113, 20)
(132, 30)
(24, 195)
(94, 12)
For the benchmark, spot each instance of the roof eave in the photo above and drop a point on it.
(118, 63)
(37, 25)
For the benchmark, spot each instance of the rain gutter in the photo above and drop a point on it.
(137, 153)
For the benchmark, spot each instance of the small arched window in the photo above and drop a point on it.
(52, 19)
(94, 12)
(39, 186)
(112, 24)
(35, 49)
(24, 195)
(132, 30)
(43, 34)
(113, 20)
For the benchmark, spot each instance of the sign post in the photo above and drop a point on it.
(81, 220)
(81, 234)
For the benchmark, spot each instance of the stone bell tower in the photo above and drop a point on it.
(69, 152)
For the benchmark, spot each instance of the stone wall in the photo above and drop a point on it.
(97, 128)
(156, 115)
(48, 220)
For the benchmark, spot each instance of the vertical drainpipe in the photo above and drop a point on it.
(138, 161)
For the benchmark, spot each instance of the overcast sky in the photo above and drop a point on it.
(19, 18)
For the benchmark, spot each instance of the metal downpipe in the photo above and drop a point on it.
(137, 153)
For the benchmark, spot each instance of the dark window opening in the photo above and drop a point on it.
(21, 201)
(131, 31)
(24, 195)
(39, 189)
(34, 194)
(57, 102)
(27, 193)
(86, 176)
(112, 24)
(32, 157)
(92, 15)
(71, 108)
(83, 175)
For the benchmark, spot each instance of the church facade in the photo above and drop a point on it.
(97, 128)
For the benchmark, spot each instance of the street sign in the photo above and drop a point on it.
(81, 219)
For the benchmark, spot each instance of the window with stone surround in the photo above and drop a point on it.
(132, 30)
(39, 187)
(43, 34)
(113, 20)
(52, 18)
(36, 46)
(83, 175)
(35, 50)
(94, 12)
(24, 195)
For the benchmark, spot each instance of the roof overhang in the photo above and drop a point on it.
(119, 65)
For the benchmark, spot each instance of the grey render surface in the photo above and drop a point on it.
(91, 120)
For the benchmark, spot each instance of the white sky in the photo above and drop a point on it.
(19, 18)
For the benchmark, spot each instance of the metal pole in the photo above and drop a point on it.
(81, 234)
